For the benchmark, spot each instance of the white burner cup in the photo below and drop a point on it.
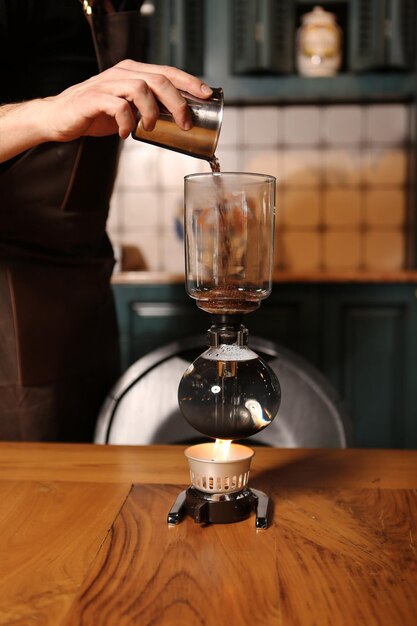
(219, 476)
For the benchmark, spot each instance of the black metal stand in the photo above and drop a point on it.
(208, 508)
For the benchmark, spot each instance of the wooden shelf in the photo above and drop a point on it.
(347, 88)
(165, 278)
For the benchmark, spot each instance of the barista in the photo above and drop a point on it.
(60, 127)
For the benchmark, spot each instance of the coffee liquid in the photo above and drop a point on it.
(225, 294)
(224, 236)
(215, 165)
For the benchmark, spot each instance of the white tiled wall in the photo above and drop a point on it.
(342, 177)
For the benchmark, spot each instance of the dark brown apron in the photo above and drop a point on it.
(57, 315)
(55, 259)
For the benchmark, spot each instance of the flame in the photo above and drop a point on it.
(221, 449)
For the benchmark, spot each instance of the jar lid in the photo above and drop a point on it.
(318, 16)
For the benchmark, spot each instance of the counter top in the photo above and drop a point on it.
(84, 540)
(165, 278)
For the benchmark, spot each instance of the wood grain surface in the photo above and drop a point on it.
(148, 573)
(352, 554)
(330, 557)
(84, 540)
(165, 465)
(50, 533)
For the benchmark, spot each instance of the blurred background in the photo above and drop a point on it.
(343, 185)
(328, 107)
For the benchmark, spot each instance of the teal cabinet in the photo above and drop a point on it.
(262, 36)
(256, 64)
(174, 34)
(248, 48)
(370, 355)
(363, 337)
(381, 35)
(152, 315)
(290, 316)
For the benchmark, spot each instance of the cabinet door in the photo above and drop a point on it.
(176, 34)
(262, 36)
(400, 34)
(370, 355)
(289, 316)
(382, 34)
(151, 316)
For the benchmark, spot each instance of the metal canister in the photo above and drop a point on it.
(201, 140)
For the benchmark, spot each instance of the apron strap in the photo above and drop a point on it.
(117, 35)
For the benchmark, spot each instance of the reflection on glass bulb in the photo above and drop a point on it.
(257, 414)
(229, 392)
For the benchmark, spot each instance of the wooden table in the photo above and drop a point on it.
(84, 540)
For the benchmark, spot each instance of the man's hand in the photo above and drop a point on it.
(105, 104)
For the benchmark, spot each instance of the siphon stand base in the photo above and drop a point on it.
(206, 508)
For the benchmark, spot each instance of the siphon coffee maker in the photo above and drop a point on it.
(229, 392)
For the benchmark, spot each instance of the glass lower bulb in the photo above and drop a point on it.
(229, 392)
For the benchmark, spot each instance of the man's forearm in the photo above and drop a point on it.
(102, 105)
(20, 128)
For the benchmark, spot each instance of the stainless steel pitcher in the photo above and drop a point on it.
(201, 140)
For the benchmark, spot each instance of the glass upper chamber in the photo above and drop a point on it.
(229, 235)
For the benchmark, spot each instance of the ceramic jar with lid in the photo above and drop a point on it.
(319, 44)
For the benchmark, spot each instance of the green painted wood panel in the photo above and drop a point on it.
(373, 373)
(369, 86)
(175, 35)
(381, 34)
(369, 354)
(290, 316)
(262, 36)
(362, 336)
(150, 316)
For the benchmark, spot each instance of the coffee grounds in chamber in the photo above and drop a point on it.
(228, 299)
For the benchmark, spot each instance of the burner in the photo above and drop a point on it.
(219, 492)
(220, 508)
